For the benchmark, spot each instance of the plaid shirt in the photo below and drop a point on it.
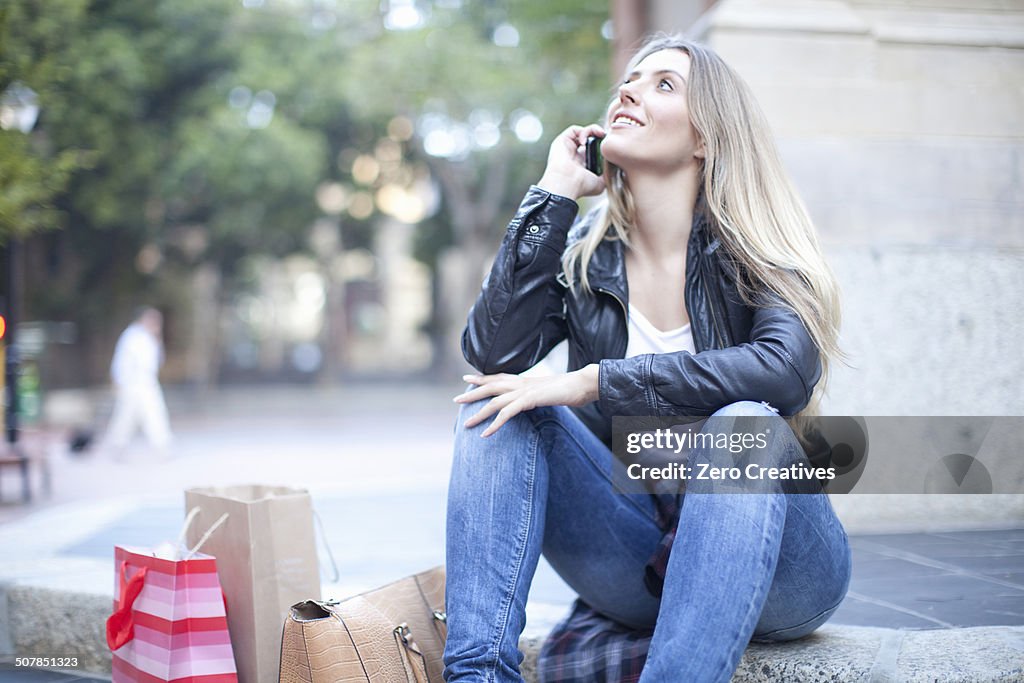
(667, 507)
(587, 647)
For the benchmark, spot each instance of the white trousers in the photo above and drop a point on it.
(139, 405)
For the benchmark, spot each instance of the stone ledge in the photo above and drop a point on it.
(48, 622)
(837, 654)
(52, 623)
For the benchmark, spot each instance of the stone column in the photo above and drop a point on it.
(900, 124)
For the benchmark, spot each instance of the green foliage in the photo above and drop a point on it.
(452, 67)
(34, 49)
(147, 138)
(251, 188)
(28, 185)
(143, 89)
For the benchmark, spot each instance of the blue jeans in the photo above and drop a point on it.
(768, 566)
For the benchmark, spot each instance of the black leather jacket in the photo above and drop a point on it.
(524, 309)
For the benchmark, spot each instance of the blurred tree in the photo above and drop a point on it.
(184, 178)
(465, 95)
(34, 52)
(116, 81)
(178, 137)
(486, 86)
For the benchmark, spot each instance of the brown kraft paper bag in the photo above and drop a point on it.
(266, 560)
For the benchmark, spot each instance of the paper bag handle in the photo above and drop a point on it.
(327, 546)
(213, 527)
(120, 626)
(202, 539)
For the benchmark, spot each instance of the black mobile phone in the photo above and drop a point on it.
(593, 155)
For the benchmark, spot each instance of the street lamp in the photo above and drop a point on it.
(19, 110)
(403, 15)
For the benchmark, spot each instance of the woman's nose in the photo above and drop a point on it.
(626, 93)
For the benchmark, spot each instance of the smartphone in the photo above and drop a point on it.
(593, 155)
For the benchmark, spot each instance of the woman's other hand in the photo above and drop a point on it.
(513, 394)
(566, 173)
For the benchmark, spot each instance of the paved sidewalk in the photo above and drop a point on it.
(11, 674)
(367, 468)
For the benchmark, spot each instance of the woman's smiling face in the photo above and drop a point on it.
(648, 124)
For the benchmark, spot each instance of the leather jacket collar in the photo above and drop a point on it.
(607, 274)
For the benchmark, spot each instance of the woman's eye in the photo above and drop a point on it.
(665, 84)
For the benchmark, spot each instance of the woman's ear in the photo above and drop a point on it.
(699, 152)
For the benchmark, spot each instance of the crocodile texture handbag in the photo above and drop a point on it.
(392, 634)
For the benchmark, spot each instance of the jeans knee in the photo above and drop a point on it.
(787, 633)
(467, 410)
(511, 440)
(800, 625)
(746, 409)
(749, 437)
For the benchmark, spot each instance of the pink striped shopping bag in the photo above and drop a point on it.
(170, 622)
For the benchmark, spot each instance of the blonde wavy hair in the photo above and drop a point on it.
(751, 205)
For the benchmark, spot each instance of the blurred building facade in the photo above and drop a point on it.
(900, 124)
(355, 311)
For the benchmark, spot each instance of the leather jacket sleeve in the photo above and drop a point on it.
(519, 315)
(780, 364)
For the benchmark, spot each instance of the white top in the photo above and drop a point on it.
(137, 357)
(646, 338)
(643, 338)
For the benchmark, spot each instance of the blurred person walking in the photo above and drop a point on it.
(139, 400)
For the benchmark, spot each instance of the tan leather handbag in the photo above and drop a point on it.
(393, 634)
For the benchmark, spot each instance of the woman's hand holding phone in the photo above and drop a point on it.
(566, 173)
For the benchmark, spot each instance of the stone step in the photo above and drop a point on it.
(50, 622)
(841, 654)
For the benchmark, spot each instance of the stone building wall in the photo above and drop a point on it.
(901, 124)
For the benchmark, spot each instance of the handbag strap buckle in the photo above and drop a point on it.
(403, 632)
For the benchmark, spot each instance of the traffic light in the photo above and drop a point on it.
(3, 374)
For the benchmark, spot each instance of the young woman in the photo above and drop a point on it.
(699, 290)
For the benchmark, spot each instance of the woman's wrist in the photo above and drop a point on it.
(589, 375)
(554, 183)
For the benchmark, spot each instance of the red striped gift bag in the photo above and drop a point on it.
(170, 620)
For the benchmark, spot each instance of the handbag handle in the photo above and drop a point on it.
(120, 626)
(412, 657)
(440, 623)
